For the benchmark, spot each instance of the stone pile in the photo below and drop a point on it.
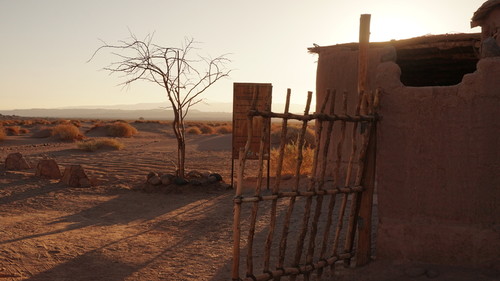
(194, 178)
(73, 176)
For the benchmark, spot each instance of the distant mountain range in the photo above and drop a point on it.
(220, 111)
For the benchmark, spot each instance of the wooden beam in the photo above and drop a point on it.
(364, 42)
(364, 243)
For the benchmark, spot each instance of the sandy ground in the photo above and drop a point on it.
(115, 231)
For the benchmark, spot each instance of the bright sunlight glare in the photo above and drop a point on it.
(394, 27)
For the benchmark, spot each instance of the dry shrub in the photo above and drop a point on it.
(207, 130)
(66, 132)
(140, 121)
(26, 123)
(77, 123)
(95, 144)
(9, 123)
(23, 131)
(13, 130)
(290, 159)
(121, 129)
(34, 122)
(2, 133)
(194, 131)
(95, 126)
(292, 135)
(224, 129)
(193, 124)
(43, 132)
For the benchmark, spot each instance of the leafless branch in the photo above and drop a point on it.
(183, 76)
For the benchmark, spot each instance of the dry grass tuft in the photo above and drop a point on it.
(96, 125)
(121, 129)
(224, 129)
(141, 121)
(207, 130)
(2, 133)
(292, 135)
(194, 131)
(23, 131)
(13, 130)
(66, 132)
(290, 159)
(43, 132)
(96, 144)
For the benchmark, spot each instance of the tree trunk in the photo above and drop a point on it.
(178, 127)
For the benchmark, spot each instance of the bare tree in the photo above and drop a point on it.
(175, 70)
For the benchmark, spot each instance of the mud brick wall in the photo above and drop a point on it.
(438, 171)
(438, 159)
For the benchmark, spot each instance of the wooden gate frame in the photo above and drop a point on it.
(361, 192)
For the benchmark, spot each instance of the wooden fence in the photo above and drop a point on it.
(309, 222)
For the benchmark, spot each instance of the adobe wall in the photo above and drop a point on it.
(438, 169)
(438, 160)
(338, 70)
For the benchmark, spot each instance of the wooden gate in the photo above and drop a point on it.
(309, 222)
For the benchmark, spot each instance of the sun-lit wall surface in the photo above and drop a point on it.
(439, 169)
(438, 163)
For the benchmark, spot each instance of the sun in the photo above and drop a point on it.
(394, 27)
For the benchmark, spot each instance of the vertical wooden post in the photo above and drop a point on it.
(243, 152)
(368, 179)
(276, 187)
(364, 42)
(364, 245)
(236, 218)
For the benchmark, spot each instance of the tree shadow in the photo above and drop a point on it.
(188, 232)
(41, 187)
(128, 206)
(89, 266)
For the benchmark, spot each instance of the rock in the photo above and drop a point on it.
(150, 175)
(84, 182)
(48, 168)
(212, 179)
(16, 161)
(196, 182)
(180, 181)
(217, 176)
(95, 181)
(75, 176)
(194, 174)
(154, 180)
(432, 273)
(167, 179)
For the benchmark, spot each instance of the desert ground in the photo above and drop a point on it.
(119, 230)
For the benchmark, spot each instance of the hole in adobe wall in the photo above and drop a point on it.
(436, 66)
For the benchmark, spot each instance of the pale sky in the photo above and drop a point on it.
(45, 44)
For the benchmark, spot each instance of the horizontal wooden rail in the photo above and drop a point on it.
(315, 116)
(345, 190)
(287, 271)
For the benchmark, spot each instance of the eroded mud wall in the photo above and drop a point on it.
(438, 173)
